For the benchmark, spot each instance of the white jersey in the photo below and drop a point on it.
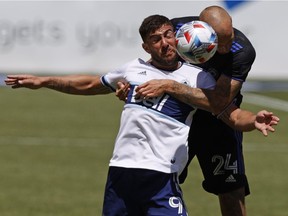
(153, 132)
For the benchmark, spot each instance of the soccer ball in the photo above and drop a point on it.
(196, 42)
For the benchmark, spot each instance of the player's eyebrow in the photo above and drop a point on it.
(157, 36)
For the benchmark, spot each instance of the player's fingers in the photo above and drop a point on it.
(121, 94)
(16, 77)
(144, 85)
(126, 89)
(140, 95)
(274, 122)
(149, 93)
(270, 128)
(12, 77)
(13, 82)
(264, 132)
(275, 118)
(141, 90)
(10, 82)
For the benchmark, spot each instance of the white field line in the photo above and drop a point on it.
(266, 101)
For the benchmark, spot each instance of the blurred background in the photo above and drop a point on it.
(97, 36)
(55, 148)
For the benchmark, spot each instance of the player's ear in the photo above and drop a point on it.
(146, 48)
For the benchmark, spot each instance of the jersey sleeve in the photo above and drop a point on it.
(244, 56)
(205, 80)
(243, 63)
(112, 78)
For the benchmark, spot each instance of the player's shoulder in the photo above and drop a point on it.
(241, 38)
(191, 67)
(238, 32)
(133, 62)
(242, 44)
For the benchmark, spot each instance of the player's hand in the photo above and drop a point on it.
(27, 81)
(265, 121)
(122, 90)
(153, 88)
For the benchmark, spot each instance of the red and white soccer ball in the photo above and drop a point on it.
(196, 42)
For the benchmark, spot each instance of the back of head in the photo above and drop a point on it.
(151, 24)
(218, 18)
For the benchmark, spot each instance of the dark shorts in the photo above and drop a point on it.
(141, 192)
(218, 149)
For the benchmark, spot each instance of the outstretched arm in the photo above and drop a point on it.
(233, 116)
(71, 84)
(245, 120)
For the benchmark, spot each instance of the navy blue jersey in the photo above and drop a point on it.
(217, 146)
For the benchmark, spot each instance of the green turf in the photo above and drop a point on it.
(55, 149)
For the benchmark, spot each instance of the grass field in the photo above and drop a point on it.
(55, 149)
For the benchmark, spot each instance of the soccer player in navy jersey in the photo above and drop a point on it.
(217, 146)
(151, 146)
(222, 144)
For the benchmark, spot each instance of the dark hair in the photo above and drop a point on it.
(151, 23)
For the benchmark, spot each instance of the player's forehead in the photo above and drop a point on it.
(162, 30)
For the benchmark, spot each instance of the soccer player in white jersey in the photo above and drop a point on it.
(151, 147)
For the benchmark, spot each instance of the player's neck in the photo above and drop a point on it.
(167, 67)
